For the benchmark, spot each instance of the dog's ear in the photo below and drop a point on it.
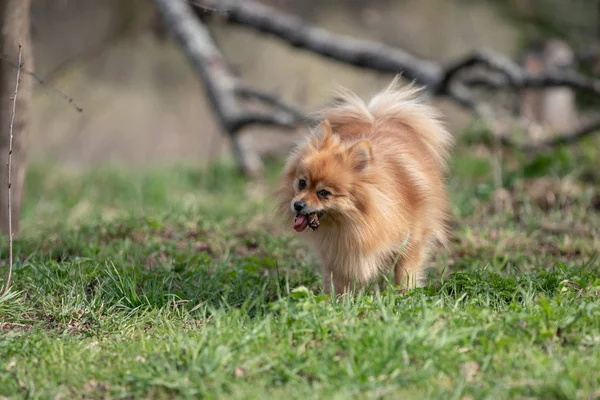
(325, 139)
(360, 155)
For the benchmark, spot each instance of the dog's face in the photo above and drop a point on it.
(324, 178)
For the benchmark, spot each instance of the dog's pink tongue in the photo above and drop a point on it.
(300, 223)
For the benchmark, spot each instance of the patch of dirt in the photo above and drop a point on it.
(14, 327)
(536, 220)
(549, 193)
(469, 370)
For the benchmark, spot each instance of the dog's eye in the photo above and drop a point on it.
(323, 193)
(301, 184)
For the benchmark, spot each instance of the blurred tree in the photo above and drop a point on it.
(15, 19)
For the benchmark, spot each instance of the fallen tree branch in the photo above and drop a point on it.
(454, 81)
(9, 165)
(222, 87)
(515, 77)
(294, 31)
(380, 57)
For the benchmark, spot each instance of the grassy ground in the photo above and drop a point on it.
(179, 283)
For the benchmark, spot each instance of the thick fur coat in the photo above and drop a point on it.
(374, 173)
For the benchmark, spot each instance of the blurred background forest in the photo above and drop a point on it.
(145, 104)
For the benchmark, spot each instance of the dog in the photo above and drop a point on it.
(373, 176)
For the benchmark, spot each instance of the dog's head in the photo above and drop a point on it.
(324, 177)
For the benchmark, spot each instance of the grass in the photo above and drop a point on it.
(179, 283)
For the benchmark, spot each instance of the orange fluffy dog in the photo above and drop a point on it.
(374, 178)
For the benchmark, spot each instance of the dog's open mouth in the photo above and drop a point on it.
(302, 221)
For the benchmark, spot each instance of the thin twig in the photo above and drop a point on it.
(43, 82)
(9, 165)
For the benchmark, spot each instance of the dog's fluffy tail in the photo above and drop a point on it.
(399, 104)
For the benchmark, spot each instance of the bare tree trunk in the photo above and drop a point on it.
(15, 23)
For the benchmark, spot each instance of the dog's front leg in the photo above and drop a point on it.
(408, 269)
(339, 283)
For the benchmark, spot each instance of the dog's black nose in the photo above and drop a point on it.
(299, 205)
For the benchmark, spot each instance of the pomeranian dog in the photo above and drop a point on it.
(370, 182)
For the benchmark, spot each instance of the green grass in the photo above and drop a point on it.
(180, 283)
